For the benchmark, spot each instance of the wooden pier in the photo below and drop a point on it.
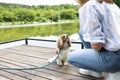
(29, 56)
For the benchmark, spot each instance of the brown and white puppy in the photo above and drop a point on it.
(63, 45)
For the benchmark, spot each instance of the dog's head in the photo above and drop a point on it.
(63, 39)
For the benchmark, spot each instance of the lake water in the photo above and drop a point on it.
(49, 32)
(73, 37)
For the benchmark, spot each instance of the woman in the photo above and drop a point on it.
(99, 32)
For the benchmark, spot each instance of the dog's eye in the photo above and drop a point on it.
(64, 36)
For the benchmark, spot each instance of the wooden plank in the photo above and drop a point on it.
(12, 76)
(47, 70)
(33, 75)
(71, 68)
(66, 75)
(50, 76)
(40, 50)
(4, 78)
(30, 75)
(63, 75)
(38, 60)
(28, 53)
(35, 49)
(25, 55)
(22, 59)
(43, 74)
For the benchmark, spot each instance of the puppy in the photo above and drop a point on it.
(63, 45)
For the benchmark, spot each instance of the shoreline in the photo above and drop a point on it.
(33, 24)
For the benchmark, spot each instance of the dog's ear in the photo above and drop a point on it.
(69, 42)
(60, 42)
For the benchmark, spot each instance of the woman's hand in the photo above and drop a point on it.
(96, 46)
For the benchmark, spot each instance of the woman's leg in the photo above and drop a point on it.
(91, 59)
(85, 58)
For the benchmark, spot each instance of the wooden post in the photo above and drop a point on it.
(82, 46)
(26, 41)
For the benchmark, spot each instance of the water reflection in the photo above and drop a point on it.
(50, 32)
(74, 38)
(37, 31)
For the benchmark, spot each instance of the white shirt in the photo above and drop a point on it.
(100, 22)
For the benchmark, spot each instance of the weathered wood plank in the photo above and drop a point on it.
(55, 72)
(30, 73)
(23, 59)
(35, 49)
(38, 60)
(4, 78)
(33, 75)
(29, 56)
(12, 76)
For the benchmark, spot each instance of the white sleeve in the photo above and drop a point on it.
(90, 25)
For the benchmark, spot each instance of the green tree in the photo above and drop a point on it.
(8, 16)
(1, 17)
(31, 15)
(25, 15)
(56, 17)
(41, 13)
(117, 2)
(68, 14)
(53, 15)
(1, 9)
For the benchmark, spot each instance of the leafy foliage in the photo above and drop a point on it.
(43, 30)
(117, 2)
(68, 14)
(41, 13)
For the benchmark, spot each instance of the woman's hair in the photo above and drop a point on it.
(82, 2)
(108, 1)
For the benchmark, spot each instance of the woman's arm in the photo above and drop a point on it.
(97, 46)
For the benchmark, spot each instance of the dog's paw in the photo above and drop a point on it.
(52, 59)
(66, 63)
(59, 63)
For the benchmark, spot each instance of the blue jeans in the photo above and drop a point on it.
(99, 61)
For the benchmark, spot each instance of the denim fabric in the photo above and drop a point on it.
(99, 61)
